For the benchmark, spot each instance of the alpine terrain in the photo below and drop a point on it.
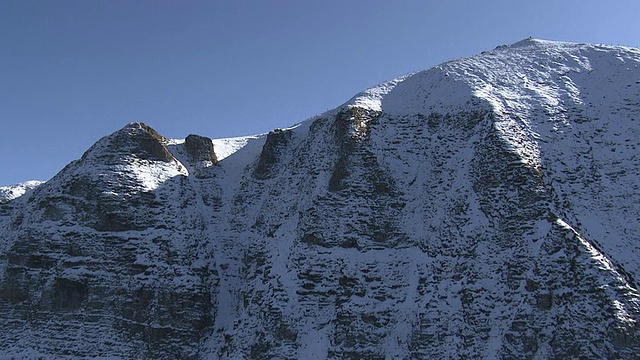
(488, 207)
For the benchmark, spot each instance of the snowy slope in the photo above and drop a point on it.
(8, 193)
(484, 208)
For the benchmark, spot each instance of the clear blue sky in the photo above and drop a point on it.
(74, 71)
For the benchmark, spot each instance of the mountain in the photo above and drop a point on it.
(488, 207)
(8, 193)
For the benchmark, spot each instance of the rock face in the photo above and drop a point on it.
(485, 208)
(200, 151)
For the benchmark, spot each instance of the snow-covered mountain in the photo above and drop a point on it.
(8, 193)
(488, 207)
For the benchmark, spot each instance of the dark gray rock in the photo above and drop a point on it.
(270, 155)
(200, 148)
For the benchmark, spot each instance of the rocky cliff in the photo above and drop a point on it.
(485, 208)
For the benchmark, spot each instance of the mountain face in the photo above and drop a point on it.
(488, 207)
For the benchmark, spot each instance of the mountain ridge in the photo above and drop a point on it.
(486, 203)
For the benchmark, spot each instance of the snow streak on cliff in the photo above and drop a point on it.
(488, 207)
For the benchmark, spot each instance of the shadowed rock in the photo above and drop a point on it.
(276, 140)
(200, 148)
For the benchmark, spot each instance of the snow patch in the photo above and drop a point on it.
(228, 146)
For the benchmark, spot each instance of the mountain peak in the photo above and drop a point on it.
(530, 41)
(134, 139)
(136, 126)
(8, 193)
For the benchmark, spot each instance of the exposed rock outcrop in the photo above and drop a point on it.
(268, 160)
(200, 149)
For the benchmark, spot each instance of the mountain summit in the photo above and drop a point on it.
(488, 207)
